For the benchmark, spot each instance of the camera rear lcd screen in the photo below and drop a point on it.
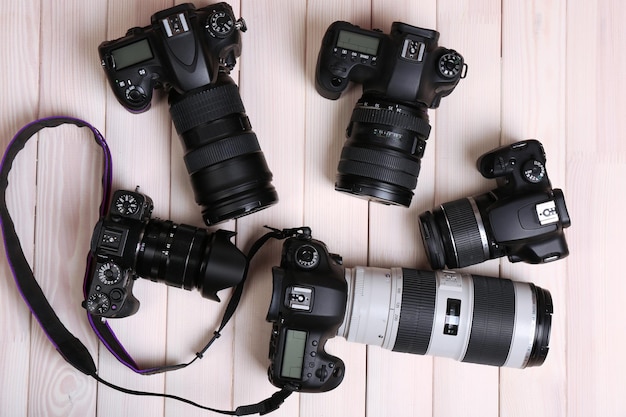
(295, 342)
(132, 54)
(357, 42)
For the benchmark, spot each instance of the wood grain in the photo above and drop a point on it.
(545, 70)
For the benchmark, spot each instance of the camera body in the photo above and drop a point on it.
(406, 65)
(442, 313)
(183, 49)
(114, 244)
(403, 74)
(523, 218)
(127, 244)
(307, 307)
(190, 53)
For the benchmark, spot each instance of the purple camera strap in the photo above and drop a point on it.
(69, 346)
(72, 349)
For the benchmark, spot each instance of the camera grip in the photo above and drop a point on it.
(110, 292)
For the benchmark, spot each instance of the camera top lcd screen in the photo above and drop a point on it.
(132, 54)
(295, 343)
(357, 42)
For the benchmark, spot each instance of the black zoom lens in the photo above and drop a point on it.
(229, 174)
(381, 158)
(188, 257)
(455, 234)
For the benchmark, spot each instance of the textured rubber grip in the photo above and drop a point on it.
(465, 233)
(392, 118)
(227, 148)
(378, 173)
(493, 321)
(205, 106)
(377, 157)
(418, 311)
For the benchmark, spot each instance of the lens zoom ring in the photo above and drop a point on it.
(376, 157)
(221, 150)
(492, 322)
(390, 176)
(392, 118)
(206, 106)
(417, 313)
(465, 232)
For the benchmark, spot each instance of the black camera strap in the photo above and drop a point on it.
(70, 347)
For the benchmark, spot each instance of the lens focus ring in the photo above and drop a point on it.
(391, 118)
(222, 150)
(465, 232)
(418, 310)
(206, 106)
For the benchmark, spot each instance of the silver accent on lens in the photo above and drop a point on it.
(525, 326)
(481, 227)
(445, 216)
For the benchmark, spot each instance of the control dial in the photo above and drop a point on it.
(109, 273)
(98, 303)
(534, 171)
(450, 65)
(220, 24)
(127, 204)
(135, 94)
(307, 257)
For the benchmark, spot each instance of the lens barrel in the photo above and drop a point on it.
(381, 158)
(455, 234)
(229, 174)
(187, 257)
(470, 318)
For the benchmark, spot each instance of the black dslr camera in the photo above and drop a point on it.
(523, 218)
(441, 313)
(127, 244)
(189, 53)
(403, 74)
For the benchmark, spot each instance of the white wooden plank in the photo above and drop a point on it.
(271, 80)
(468, 124)
(192, 319)
(19, 106)
(69, 168)
(402, 384)
(596, 159)
(140, 146)
(533, 97)
(338, 219)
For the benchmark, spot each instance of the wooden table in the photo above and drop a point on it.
(551, 70)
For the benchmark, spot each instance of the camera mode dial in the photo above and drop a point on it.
(450, 65)
(127, 204)
(109, 273)
(307, 257)
(534, 171)
(220, 24)
(98, 303)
